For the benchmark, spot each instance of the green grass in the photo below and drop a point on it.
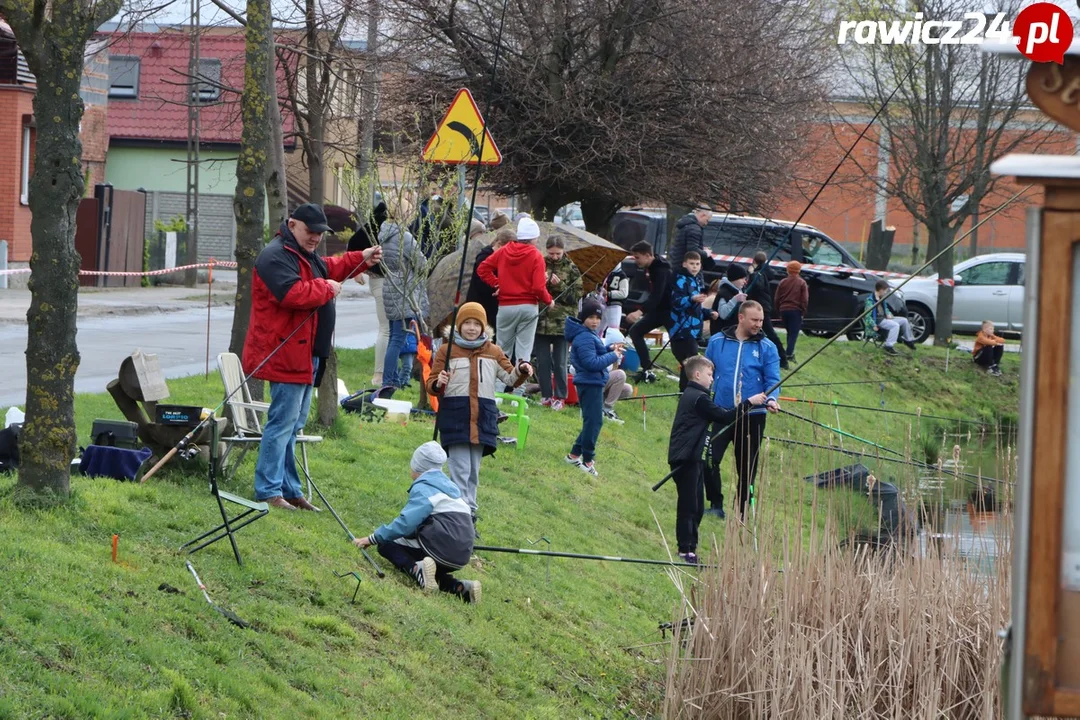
(82, 637)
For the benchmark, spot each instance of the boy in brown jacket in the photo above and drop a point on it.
(792, 299)
(988, 349)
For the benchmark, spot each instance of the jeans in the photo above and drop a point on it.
(893, 326)
(591, 402)
(405, 373)
(393, 351)
(792, 320)
(691, 504)
(648, 322)
(404, 558)
(516, 330)
(275, 470)
(551, 358)
(383, 336)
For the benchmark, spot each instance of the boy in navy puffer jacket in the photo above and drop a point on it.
(591, 359)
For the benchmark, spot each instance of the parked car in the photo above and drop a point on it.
(988, 287)
(836, 297)
(481, 213)
(570, 215)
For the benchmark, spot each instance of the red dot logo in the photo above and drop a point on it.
(1043, 32)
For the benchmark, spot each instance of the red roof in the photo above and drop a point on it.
(160, 113)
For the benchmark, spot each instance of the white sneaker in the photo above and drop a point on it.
(424, 572)
(589, 468)
(610, 415)
(470, 591)
(576, 461)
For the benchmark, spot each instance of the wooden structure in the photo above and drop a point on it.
(1045, 677)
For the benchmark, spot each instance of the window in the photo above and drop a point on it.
(1020, 273)
(743, 240)
(208, 88)
(990, 273)
(24, 195)
(819, 251)
(628, 230)
(123, 77)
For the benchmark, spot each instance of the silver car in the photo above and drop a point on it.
(988, 287)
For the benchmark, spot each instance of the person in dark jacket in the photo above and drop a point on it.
(550, 346)
(759, 289)
(729, 297)
(591, 360)
(290, 335)
(433, 535)
(479, 291)
(687, 313)
(688, 432)
(366, 236)
(655, 310)
(689, 236)
(792, 300)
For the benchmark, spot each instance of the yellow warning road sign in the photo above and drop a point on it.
(457, 139)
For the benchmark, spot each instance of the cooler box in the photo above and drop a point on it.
(571, 391)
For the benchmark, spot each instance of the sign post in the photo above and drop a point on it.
(1044, 677)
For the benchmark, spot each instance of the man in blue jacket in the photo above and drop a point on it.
(747, 363)
(433, 535)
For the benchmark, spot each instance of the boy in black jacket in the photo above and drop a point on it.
(696, 410)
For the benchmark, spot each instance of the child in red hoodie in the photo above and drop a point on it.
(517, 273)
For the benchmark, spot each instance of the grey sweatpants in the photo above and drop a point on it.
(464, 464)
(515, 328)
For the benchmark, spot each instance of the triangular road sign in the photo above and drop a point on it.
(457, 139)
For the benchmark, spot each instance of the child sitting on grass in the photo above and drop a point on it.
(695, 411)
(468, 418)
(988, 349)
(591, 359)
(433, 535)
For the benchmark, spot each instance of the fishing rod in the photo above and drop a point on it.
(965, 476)
(579, 556)
(649, 397)
(472, 202)
(844, 382)
(833, 403)
(184, 442)
(840, 432)
(892, 291)
(337, 517)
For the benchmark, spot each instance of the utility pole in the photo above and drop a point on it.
(192, 210)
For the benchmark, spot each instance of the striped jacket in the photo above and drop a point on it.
(434, 519)
(467, 411)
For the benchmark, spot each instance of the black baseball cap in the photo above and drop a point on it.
(313, 216)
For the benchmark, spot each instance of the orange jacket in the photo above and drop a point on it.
(983, 339)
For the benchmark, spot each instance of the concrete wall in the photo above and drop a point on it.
(217, 227)
(165, 169)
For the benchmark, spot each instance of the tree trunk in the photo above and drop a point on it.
(879, 246)
(915, 241)
(941, 236)
(316, 107)
(53, 42)
(251, 167)
(597, 213)
(277, 184)
(366, 172)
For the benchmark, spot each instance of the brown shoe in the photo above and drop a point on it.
(280, 503)
(302, 503)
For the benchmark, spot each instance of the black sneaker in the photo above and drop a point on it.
(910, 344)
(890, 350)
(717, 512)
(791, 359)
(689, 558)
(646, 376)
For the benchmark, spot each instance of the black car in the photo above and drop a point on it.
(836, 297)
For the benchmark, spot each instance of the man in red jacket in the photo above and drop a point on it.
(290, 335)
(517, 273)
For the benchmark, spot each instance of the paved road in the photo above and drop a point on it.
(178, 338)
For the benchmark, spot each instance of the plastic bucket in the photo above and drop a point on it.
(396, 410)
(630, 361)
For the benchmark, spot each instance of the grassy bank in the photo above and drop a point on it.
(83, 637)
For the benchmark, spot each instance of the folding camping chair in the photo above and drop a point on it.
(518, 405)
(252, 511)
(247, 430)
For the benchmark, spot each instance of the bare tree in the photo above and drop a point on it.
(955, 111)
(53, 35)
(613, 102)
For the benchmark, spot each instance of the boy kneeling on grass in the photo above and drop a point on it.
(695, 411)
(433, 535)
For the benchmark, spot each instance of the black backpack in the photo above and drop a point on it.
(9, 448)
(361, 403)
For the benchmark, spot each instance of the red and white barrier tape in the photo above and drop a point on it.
(229, 264)
(811, 266)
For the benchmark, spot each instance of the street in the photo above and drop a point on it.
(178, 338)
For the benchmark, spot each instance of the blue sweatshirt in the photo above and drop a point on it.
(588, 354)
(743, 368)
(435, 519)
